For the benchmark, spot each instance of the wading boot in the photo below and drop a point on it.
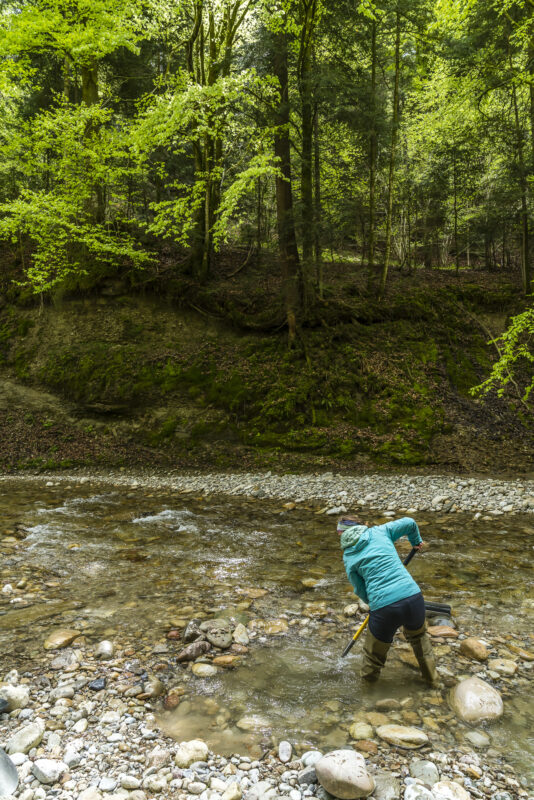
(375, 653)
(422, 648)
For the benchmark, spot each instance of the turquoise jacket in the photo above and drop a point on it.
(373, 565)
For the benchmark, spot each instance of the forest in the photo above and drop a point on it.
(283, 166)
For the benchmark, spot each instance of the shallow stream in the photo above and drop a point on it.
(132, 565)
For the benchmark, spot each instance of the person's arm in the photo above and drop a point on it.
(359, 585)
(406, 526)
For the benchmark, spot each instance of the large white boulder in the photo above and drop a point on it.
(343, 773)
(189, 752)
(474, 701)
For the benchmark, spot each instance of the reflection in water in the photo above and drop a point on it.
(139, 564)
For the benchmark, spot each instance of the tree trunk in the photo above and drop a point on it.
(531, 90)
(372, 158)
(258, 220)
(67, 74)
(456, 248)
(391, 177)
(523, 184)
(468, 249)
(317, 206)
(487, 257)
(306, 185)
(287, 241)
(90, 85)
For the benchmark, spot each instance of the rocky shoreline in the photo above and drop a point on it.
(75, 736)
(386, 494)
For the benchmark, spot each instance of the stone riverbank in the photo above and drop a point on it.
(74, 733)
(384, 494)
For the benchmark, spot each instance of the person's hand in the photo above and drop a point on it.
(419, 546)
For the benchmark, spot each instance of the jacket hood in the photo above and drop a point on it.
(356, 535)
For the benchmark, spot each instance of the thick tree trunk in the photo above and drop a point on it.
(391, 177)
(287, 240)
(306, 184)
(523, 185)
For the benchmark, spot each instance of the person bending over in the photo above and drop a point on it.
(380, 578)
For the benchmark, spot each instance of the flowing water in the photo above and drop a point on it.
(132, 565)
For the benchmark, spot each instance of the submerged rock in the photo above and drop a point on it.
(193, 651)
(474, 701)
(478, 738)
(276, 626)
(504, 666)
(361, 730)
(204, 670)
(105, 650)
(60, 638)
(474, 648)
(425, 771)
(192, 632)
(240, 635)
(443, 631)
(403, 736)
(218, 632)
(343, 773)
(252, 723)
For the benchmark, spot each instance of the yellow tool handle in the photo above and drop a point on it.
(361, 628)
(356, 636)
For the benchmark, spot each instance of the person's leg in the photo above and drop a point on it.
(415, 632)
(382, 626)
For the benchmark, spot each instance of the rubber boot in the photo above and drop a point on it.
(422, 648)
(375, 653)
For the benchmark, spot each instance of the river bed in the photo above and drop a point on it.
(132, 564)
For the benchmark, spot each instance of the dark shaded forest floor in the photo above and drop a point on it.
(146, 369)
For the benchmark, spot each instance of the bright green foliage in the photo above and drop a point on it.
(85, 31)
(182, 118)
(64, 153)
(138, 130)
(512, 373)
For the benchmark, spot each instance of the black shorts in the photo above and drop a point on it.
(409, 612)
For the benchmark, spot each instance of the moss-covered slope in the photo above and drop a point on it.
(136, 379)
